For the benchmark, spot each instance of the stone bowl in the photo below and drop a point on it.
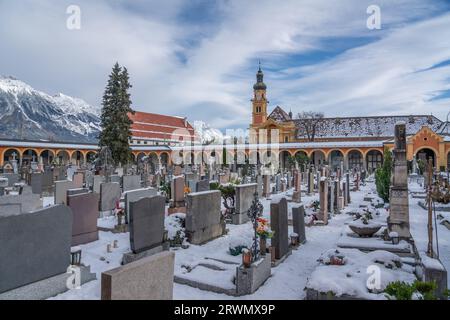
(365, 230)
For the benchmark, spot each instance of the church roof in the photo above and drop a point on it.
(362, 127)
(279, 115)
(375, 126)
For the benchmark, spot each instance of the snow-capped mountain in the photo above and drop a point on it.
(34, 115)
(207, 134)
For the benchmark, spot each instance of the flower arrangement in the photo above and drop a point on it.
(263, 229)
(187, 189)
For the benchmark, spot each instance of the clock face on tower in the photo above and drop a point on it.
(258, 96)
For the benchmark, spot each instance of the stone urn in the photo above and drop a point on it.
(364, 230)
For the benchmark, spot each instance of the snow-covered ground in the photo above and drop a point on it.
(288, 279)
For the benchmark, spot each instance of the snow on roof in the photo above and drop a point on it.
(377, 126)
(278, 114)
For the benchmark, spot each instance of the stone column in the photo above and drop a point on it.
(323, 197)
(398, 220)
(297, 194)
(347, 187)
(266, 186)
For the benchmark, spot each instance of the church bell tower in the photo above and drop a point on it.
(259, 100)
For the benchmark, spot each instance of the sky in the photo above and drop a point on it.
(198, 58)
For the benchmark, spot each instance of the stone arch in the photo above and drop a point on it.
(254, 157)
(335, 157)
(139, 156)
(355, 159)
(77, 158)
(62, 157)
(28, 155)
(200, 158)
(47, 156)
(425, 153)
(374, 159)
(164, 159)
(11, 153)
(153, 162)
(283, 158)
(241, 157)
(188, 158)
(317, 157)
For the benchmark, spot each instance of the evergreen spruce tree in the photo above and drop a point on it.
(115, 123)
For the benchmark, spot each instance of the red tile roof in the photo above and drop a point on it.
(160, 127)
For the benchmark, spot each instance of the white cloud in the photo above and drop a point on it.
(213, 80)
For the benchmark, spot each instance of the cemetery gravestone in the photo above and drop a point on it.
(135, 195)
(244, 198)
(203, 217)
(279, 224)
(147, 223)
(150, 278)
(85, 214)
(298, 221)
(78, 180)
(36, 183)
(110, 193)
(34, 246)
(132, 182)
(202, 185)
(61, 188)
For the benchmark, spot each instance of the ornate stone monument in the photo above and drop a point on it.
(398, 220)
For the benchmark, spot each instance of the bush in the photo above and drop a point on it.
(383, 176)
(405, 291)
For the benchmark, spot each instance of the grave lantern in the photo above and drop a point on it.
(294, 239)
(75, 256)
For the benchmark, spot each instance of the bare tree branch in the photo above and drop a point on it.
(308, 123)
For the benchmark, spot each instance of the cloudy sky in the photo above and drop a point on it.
(199, 57)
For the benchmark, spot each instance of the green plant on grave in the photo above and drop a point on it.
(400, 290)
(383, 176)
(214, 185)
(237, 250)
(165, 188)
(422, 165)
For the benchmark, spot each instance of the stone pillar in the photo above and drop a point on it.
(323, 197)
(330, 199)
(266, 186)
(398, 220)
(297, 194)
(344, 192)
(347, 187)
(336, 196)
(310, 183)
